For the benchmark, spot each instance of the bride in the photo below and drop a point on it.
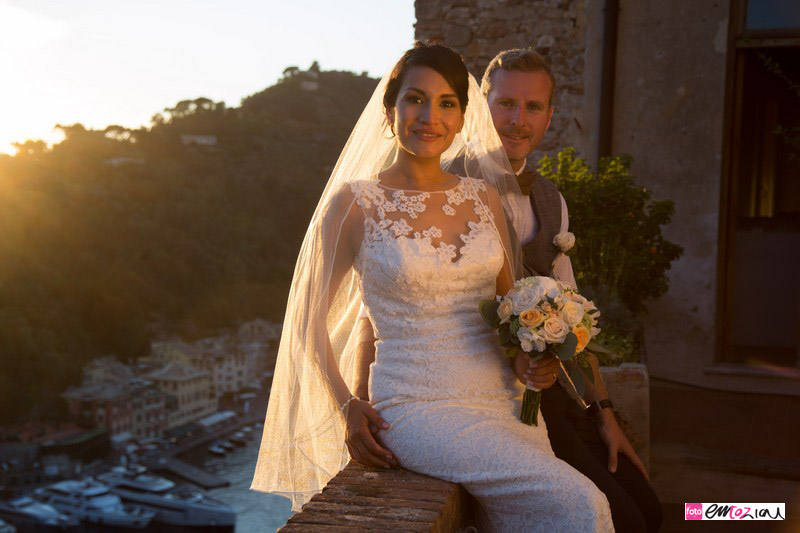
(420, 247)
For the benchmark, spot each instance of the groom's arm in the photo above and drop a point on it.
(607, 425)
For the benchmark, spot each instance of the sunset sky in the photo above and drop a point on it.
(102, 62)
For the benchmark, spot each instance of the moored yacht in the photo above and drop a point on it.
(135, 476)
(238, 439)
(218, 450)
(92, 502)
(181, 506)
(28, 514)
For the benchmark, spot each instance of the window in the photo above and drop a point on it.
(760, 212)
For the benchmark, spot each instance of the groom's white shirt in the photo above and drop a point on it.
(529, 227)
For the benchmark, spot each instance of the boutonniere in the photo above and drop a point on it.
(564, 241)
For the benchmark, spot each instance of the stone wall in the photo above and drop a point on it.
(361, 498)
(479, 29)
(668, 113)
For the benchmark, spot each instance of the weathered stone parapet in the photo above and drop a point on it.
(360, 498)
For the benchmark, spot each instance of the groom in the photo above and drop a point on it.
(519, 86)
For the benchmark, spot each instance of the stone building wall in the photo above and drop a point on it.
(668, 113)
(479, 29)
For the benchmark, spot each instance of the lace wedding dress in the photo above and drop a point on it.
(439, 377)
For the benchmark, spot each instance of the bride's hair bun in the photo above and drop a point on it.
(438, 57)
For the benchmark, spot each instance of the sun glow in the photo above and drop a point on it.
(100, 63)
(23, 36)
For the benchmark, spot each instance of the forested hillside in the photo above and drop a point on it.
(116, 236)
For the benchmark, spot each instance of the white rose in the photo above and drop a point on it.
(530, 341)
(547, 283)
(525, 298)
(554, 330)
(504, 310)
(575, 297)
(572, 313)
(564, 241)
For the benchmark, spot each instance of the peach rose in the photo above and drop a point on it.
(583, 335)
(531, 318)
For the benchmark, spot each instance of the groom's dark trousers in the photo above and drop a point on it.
(575, 440)
(573, 434)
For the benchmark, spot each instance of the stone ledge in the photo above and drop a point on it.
(360, 498)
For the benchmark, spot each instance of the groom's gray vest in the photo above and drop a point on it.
(539, 254)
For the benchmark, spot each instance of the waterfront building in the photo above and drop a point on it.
(190, 388)
(149, 409)
(106, 405)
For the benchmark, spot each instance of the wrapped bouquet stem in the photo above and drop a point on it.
(538, 315)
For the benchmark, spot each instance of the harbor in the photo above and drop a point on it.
(170, 487)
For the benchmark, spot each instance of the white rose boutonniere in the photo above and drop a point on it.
(564, 241)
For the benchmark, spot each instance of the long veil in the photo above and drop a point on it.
(303, 444)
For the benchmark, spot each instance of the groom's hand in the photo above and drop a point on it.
(362, 421)
(616, 441)
(541, 374)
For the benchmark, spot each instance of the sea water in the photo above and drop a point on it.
(256, 512)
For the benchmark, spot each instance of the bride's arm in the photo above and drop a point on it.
(365, 355)
(344, 213)
(359, 415)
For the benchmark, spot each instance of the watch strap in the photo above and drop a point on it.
(595, 407)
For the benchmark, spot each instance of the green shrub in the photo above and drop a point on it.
(620, 257)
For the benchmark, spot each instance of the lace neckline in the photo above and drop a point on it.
(460, 180)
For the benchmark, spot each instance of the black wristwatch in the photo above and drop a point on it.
(595, 407)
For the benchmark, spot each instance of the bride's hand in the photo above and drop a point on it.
(362, 422)
(541, 374)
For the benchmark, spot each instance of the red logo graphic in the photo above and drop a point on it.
(694, 511)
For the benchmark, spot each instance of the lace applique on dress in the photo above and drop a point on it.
(380, 200)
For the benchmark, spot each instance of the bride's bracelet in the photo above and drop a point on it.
(346, 403)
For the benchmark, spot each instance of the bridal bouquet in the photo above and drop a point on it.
(540, 314)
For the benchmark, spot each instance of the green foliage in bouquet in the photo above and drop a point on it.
(620, 256)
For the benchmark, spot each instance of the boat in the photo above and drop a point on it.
(27, 514)
(93, 502)
(228, 445)
(239, 439)
(218, 450)
(6, 528)
(175, 506)
(136, 477)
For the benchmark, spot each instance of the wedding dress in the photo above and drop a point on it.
(439, 377)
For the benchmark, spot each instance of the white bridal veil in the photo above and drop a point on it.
(303, 445)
